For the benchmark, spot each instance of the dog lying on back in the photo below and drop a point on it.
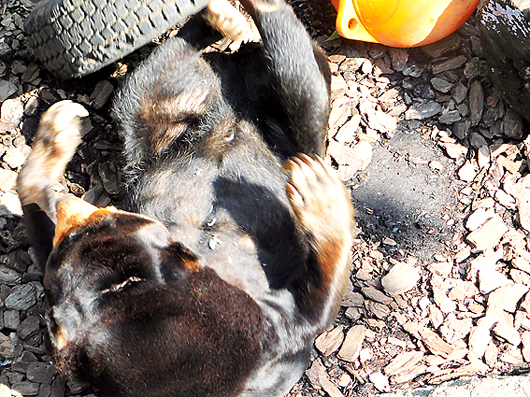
(234, 249)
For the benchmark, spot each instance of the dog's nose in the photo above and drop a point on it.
(73, 211)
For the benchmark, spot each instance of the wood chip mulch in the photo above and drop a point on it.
(412, 316)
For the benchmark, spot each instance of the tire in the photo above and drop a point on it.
(73, 38)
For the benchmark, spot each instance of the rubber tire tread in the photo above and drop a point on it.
(73, 38)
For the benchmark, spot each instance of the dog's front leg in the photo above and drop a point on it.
(300, 72)
(53, 147)
(323, 208)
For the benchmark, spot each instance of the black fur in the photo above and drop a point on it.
(214, 282)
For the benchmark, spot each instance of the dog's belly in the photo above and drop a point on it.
(233, 213)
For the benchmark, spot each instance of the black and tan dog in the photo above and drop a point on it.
(233, 252)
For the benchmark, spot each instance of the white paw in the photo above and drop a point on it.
(319, 199)
(63, 120)
(229, 21)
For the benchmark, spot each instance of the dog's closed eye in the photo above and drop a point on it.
(116, 287)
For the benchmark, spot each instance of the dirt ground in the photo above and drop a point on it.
(423, 140)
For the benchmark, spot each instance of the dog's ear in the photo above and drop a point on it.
(178, 257)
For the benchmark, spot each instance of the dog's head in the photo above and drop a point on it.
(136, 314)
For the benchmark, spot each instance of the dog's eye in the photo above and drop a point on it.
(117, 287)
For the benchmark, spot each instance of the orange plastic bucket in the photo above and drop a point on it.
(401, 23)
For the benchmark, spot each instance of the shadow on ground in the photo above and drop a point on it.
(401, 197)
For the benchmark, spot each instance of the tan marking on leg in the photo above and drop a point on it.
(324, 210)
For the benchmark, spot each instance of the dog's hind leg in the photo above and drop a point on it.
(323, 208)
(300, 72)
(53, 147)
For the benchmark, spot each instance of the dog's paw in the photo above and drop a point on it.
(320, 201)
(60, 127)
(225, 18)
(58, 137)
(54, 146)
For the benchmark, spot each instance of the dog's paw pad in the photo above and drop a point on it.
(319, 199)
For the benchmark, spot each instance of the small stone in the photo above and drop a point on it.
(18, 260)
(450, 64)
(434, 343)
(450, 117)
(376, 295)
(8, 276)
(491, 354)
(507, 332)
(8, 179)
(467, 172)
(380, 381)
(7, 348)
(479, 217)
(479, 339)
(352, 343)
(11, 319)
(358, 157)
(323, 380)
(40, 372)
(455, 150)
(31, 106)
(382, 122)
(512, 125)
(329, 341)
(423, 111)
(490, 280)
(28, 327)
(353, 313)
(441, 85)
(476, 102)
(377, 309)
(15, 157)
(453, 329)
(403, 362)
(461, 128)
(511, 355)
(443, 302)
(488, 235)
(348, 131)
(459, 92)
(339, 115)
(12, 111)
(352, 299)
(521, 192)
(10, 205)
(401, 278)
(436, 316)
(7, 88)
(399, 58)
(435, 165)
(102, 92)
(389, 241)
(441, 268)
(26, 388)
(506, 298)
(22, 297)
(505, 199)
